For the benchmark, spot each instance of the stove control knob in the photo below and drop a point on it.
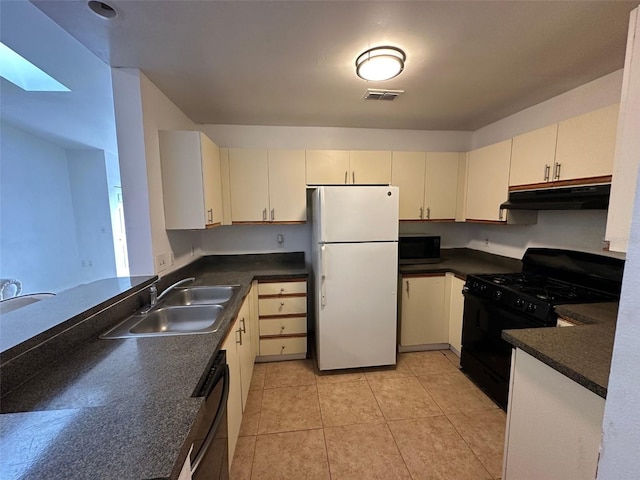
(519, 303)
(531, 308)
(497, 294)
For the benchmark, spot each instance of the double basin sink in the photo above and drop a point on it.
(185, 311)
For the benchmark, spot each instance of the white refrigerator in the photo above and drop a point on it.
(355, 263)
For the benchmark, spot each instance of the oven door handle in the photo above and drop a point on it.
(224, 372)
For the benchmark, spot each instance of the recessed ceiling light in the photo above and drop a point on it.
(380, 63)
(102, 9)
(21, 72)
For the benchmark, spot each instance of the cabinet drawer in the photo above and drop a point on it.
(283, 326)
(282, 306)
(282, 288)
(283, 346)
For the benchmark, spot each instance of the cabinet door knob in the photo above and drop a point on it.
(547, 172)
(407, 282)
(353, 177)
(421, 213)
(264, 215)
(273, 214)
(557, 172)
(428, 213)
(345, 180)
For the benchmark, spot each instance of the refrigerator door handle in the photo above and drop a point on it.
(323, 273)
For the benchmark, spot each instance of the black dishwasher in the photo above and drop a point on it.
(210, 446)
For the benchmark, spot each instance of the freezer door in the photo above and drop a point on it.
(357, 303)
(357, 213)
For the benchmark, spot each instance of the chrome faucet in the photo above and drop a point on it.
(155, 298)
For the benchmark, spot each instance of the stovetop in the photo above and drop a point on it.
(532, 295)
(550, 290)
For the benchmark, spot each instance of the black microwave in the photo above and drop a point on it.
(418, 249)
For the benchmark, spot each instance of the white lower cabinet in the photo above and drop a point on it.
(554, 425)
(431, 311)
(423, 323)
(240, 359)
(456, 311)
(282, 312)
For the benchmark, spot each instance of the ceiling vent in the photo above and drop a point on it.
(379, 94)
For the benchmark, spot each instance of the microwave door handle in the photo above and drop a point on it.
(216, 422)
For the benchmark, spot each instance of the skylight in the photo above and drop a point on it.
(21, 72)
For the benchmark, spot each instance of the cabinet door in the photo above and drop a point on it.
(249, 185)
(212, 181)
(533, 155)
(246, 350)
(234, 402)
(327, 167)
(422, 319)
(586, 144)
(408, 174)
(549, 413)
(488, 181)
(370, 167)
(287, 188)
(182, 180)
(441, 186)
(456, 310)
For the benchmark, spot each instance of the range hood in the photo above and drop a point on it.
(589, 197)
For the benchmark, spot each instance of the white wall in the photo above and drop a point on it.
(37, 224)
(591, 96)
(141, 111)
(92, 212)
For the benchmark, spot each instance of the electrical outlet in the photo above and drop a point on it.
(486, 242)
(172, 259)
(280, 239)
(161, 260)
(193, 250)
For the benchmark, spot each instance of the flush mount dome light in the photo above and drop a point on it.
(102, 9)
(380, 63)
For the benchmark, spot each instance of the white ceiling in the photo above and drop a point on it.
(469, 63)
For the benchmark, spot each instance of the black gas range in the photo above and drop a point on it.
(497, 302)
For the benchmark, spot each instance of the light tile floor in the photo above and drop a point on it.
(422, 419)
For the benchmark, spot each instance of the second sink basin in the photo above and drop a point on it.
(201, 295)
(169, 320)
(179, 319)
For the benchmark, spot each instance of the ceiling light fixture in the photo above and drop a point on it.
(380, 63)
(102, 9)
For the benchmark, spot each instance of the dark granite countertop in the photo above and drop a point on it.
(462, 262)
(582, 352)
(124, 408)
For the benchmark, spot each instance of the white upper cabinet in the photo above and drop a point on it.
(327, 167)
(488, 181)
(368, 167)
(533, 156)
(586, 145)
(267, 185)
(408, 174)
(287, 189)
(441, 186)
(343, 167)
(625, 166)
(249, 185)
(191, 180)
(428, 184)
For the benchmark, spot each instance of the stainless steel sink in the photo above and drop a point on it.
(169, 320)
(201, 295)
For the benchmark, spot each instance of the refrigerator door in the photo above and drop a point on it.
(357, 214)
(356, 305)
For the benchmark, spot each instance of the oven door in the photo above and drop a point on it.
(486, 357)
(209, 456)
